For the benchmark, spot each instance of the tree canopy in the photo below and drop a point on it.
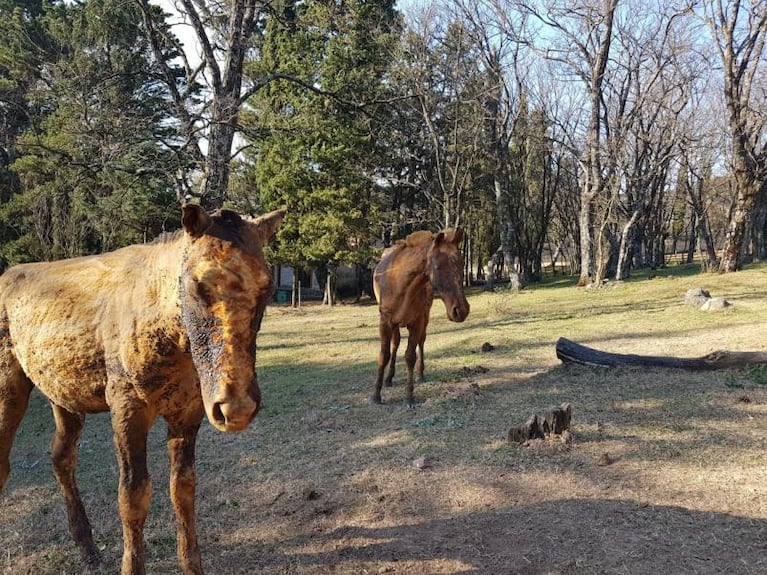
(564, 136)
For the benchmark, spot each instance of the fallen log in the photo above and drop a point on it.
(571, 352)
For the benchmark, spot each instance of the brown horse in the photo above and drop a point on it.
(164, 329)
(404, 282)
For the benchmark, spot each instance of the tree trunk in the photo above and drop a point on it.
(622, 268)
(505, 225)
(295, 297)
(759, 225)
(329, 298)
(584, 223)
(220, 140)
(732, 252)
(692, 238)
(704, 229)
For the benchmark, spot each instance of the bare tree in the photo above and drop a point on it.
(583, 36)
(495, 28)
(657, 70)
(442, 76)
(739, 30)
(209, 98)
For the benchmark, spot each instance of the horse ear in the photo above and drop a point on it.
(452, 236)
(267, 224)
(194, 219)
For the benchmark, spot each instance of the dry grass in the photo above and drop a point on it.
(666, 472)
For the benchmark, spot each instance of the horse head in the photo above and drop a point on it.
(445, 266)
(224, 287)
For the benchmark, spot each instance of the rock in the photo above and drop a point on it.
(696, 296)
(422, 463)
(715, 304)
(487, 346)
(605, 459)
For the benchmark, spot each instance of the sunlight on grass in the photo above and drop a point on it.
(356, 542)
(325, 482)
(385, 440)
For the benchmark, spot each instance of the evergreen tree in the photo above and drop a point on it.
(316, 144)
(92, 167)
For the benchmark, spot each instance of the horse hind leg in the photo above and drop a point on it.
(64, 455)
(15, 388)
(395, 339)
(385, 335)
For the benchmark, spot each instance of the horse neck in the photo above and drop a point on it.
(418, 272)
(164, 264)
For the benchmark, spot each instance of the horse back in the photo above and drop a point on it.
(69, 323)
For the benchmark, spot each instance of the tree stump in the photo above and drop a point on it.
(554, 421)
(529, 430)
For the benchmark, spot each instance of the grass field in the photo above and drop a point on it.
(666, 471)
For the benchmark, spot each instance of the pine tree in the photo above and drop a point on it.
(93, 171)
(316, 143)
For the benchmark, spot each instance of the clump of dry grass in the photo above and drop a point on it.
(665, 471)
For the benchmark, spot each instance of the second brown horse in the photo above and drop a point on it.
(404, 282)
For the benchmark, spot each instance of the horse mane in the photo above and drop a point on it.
(416, 239)
(231, 221)
(167, 237)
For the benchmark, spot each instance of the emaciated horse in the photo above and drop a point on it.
(163, 329)
(404, 282)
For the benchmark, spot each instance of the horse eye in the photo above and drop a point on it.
(202, 291)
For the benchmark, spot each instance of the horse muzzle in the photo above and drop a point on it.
(235, 412)
(458, 312)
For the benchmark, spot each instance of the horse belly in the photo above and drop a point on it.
(66, 364)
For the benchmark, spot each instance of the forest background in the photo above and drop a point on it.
(593, 137)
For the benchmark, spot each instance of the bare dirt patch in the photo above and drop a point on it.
(666, 471)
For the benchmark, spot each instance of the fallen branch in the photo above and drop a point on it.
(571, 352)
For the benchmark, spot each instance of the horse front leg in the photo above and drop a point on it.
(420, 365)
(421, 339)
(182, 437)
(413, 339)
(131, 422)
(69, 426)
(395, 339)
(385, 335)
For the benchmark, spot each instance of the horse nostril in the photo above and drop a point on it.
(459, 313)
(218, 414)
(233, 415)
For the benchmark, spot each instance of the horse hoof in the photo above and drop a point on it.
(410, 404)
(374, 400)
(388, 383)
(91, 556)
